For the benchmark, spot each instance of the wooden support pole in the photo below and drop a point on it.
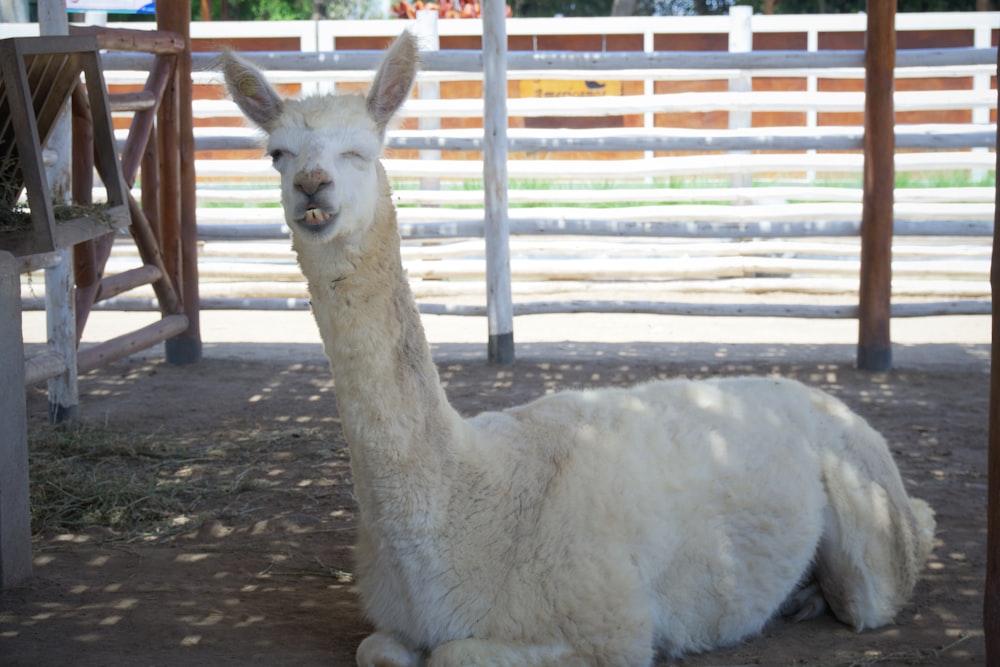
(15, 523)
(60, 297)
(145, 243)
(499, 303)
(991, 597)
(875, 294)
(140, 130)
(184, 348)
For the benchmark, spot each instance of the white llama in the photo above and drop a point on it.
(587, 527)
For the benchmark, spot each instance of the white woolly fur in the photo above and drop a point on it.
(587, 527)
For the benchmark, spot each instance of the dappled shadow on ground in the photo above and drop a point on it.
(256, 567)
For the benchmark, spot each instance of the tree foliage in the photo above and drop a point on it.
(284, 10)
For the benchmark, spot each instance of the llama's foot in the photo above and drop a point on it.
(805, 603)
(382, 650)
(486, 653)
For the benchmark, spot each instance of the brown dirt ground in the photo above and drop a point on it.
(260, 574)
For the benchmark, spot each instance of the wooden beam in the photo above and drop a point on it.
(15, 525)
(991, 597)
(874, 301)
(186, 347)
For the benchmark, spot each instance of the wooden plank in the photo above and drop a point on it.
(116, 348)
(145, 41)
(29, 151)
(15, 525)
(991, 593)
(874, 300)
(602, 171)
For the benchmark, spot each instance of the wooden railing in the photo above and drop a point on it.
(641, 163)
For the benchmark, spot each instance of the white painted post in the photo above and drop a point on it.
(15, 516)
(982, 35)
(812, 85)
(648, 89)
(499, 305)
(740, 41)
(427, 37)
(60, 305)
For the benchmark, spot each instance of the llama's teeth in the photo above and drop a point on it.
(315, 215)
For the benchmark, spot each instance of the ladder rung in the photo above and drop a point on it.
(112, 286)
(137, 101)
(87, 359)
(43, 366)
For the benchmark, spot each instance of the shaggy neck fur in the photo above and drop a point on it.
(393, 408)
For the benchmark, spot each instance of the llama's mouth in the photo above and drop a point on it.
(314, 216)
(316, 219)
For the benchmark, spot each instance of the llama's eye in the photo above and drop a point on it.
(276, 155)
(353, 156)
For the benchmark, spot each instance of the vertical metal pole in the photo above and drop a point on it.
(991, 596)
(874, 302)
(499, 305)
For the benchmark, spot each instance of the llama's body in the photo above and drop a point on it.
(589, 528)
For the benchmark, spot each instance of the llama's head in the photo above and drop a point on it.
(326, 147)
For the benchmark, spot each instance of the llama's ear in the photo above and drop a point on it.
(393, 80)
(250, 90)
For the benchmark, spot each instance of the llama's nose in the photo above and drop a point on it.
(311, 182)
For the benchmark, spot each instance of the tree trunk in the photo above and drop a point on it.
(13, 11)
(623, 8)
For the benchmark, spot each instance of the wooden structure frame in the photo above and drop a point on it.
(39, 76)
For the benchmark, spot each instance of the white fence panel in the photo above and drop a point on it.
(615, 228)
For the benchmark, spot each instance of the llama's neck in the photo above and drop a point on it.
(393, 410)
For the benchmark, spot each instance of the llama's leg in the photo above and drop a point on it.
(383, 650)
(806, 602)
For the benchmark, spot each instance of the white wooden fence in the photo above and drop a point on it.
(620, 235)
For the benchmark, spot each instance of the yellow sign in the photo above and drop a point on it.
(556, 88)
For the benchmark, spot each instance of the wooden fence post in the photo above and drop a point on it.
(184, 348)
(991, 597)
(15, 523)
(875, 294)
(499, 305)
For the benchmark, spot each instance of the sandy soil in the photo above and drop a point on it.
(261, 573)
